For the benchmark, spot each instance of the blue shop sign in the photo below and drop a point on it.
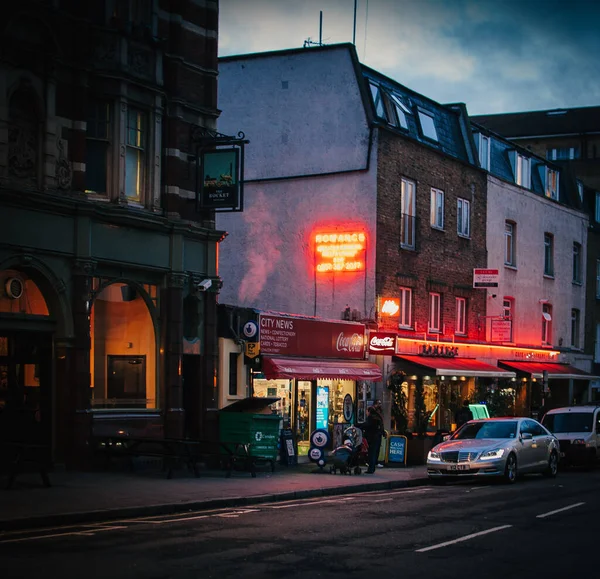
(396, 448)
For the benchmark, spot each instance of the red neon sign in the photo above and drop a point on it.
(390, 307)
(336, 251)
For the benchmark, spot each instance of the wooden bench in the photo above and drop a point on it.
(175, 451)
(16, 454)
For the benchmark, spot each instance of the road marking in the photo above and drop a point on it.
(382, 500)
(311, 503)
(559, 510)
(55, 535)
(461, 539)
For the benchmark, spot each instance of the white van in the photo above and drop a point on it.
(578, 431)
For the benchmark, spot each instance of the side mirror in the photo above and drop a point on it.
(526, 436)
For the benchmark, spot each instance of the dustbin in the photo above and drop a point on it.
(251, 421)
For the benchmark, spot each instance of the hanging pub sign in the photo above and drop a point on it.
(220, 184)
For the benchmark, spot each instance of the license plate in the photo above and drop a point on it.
(458, 467)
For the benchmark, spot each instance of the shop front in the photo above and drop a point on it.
(551, 384)
(318, 370)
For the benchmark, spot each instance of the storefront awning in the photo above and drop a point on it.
(554, 369)
(457, 367)
(312, 368)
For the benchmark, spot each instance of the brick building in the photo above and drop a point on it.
(102, 326)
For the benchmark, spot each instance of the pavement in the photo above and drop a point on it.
(77, 497)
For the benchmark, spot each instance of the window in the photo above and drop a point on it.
(401, 111)
(580, 190)
(598, 206)
(597, 348)
(548, 254)
(598, 279)
(483, 146)
(507, 313)
(461, 316)
(523, 171)
(407, 217)
(98, 147)
(437, 208)
(552, 183)
(378, 101)
(233, 374)
(576, 263)
(575, 328)
(510, 230)
(463, 218)
(435, 323)
(427, 126)
(136, 153)
(562, 153)
(546, 324)
(405, 307)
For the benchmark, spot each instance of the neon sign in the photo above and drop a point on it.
(390, 307)
(340, 251)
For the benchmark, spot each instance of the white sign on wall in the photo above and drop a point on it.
(484, 278)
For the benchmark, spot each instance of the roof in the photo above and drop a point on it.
(553, 122)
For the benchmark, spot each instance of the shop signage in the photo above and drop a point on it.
(348, 408)
(322, 407)
(396, 448)
(340, 251)
(483, 278)
(219, 185)
(439, 351)
(389, 307)
(252, 349)
(501, 330)
(382, 343)
(315, 338)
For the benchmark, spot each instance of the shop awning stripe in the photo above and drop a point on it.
(555, 370)
(458, 367)
(312, 368)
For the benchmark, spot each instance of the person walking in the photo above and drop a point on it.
(463, 414)
(373, 432)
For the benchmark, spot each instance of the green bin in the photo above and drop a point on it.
(250, 421)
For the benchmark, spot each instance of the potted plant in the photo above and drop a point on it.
(419, 445)
(399, 401)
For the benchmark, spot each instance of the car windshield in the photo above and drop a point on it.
(569, 422)
(492, 429)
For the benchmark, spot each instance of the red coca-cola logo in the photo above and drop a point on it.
(382, 343)
(351, 343)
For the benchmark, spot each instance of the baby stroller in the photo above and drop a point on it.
(348, 457)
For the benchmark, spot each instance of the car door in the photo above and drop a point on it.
(527, 449)
(541, 442)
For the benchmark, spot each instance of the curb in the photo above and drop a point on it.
(105, 515)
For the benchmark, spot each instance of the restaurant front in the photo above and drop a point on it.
(317, 368)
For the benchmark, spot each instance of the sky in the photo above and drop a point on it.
(496, 56)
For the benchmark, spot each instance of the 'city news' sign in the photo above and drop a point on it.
(483, 278)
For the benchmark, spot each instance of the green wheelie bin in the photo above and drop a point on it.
(249, 432)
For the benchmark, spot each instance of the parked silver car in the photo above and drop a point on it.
(495, 447)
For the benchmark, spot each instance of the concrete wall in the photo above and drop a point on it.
(534, 215)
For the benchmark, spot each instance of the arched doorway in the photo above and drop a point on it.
(123, 355)
(26, 336)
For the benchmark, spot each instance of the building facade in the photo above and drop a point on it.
(103, 324)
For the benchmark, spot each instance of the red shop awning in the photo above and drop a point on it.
(554, 369)
(457, 367)
(312, 368)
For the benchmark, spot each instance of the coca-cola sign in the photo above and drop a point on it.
(382, 343)
(296, 336)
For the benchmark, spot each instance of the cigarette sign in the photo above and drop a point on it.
(483, 278)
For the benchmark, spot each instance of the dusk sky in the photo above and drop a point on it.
(494, 55)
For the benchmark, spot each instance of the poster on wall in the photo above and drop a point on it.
(322, 406)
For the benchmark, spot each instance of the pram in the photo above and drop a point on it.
(348, 457)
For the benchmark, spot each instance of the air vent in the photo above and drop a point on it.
(14, 288)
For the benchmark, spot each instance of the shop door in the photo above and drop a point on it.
(304, 406)
(26, 386)
(190, 374)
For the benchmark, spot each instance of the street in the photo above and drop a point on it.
(537, 527)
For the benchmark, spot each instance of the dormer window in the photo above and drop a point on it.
(401, 111)
(522, 169)
(427, 126)
(551, 183)
(483, 147)
(378, 101)
(580, 190)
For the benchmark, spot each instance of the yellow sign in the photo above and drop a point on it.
(252, 349)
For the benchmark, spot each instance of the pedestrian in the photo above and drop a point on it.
(373, 432)
(463, 414)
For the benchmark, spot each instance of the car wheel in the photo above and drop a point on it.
(552, 467)
(510, 470)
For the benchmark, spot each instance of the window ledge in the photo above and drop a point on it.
(548, 276)
(438, 228)
(510, 266)
(577, 283)
(408, 247)
(463, 236)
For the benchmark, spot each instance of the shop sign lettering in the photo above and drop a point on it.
(351, 343)
(382, 343)
(439, 351)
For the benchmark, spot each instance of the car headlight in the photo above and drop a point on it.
(434, 456)
(492, 454)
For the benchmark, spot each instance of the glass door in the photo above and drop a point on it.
(303, 415)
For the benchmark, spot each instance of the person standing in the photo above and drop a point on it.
(373, 432)
(463, 414)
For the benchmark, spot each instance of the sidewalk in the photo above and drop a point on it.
(78, 497)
